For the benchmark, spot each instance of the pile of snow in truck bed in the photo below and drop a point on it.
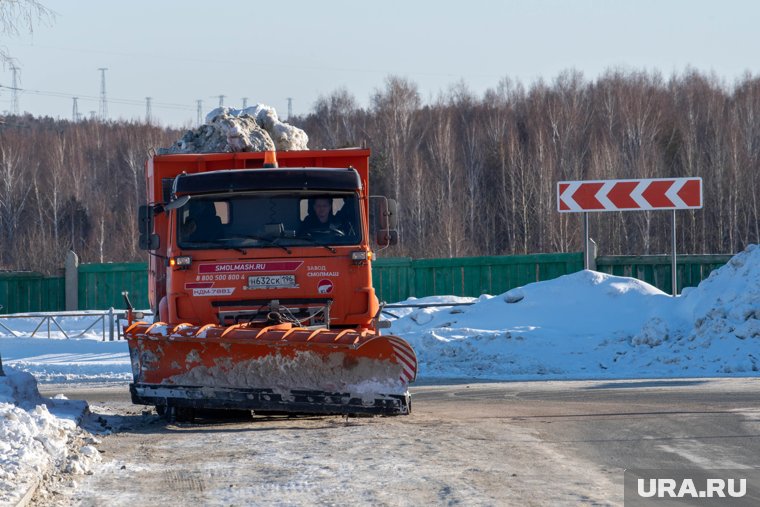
(39, 437)
(583, 325)
(255, 128)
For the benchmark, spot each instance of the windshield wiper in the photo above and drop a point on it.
(315, 242)
(268, 241)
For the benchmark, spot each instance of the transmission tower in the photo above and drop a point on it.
(199, 111)
(221, 100)
(14, 92)
(245, 102)
(148, 115)
(290, 107)
(103, 101)
(75, 109)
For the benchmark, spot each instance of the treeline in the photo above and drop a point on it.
(475, 175)
(478, 175)
(71, 186)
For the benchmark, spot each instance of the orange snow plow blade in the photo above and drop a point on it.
(278, 368)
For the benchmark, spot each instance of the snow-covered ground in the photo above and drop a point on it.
(62, 361)
(39, 437)
(592, 325)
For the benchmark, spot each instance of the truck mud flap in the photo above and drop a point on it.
(267, 401)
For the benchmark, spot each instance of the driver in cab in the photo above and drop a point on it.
(320, 218)
(202, 223)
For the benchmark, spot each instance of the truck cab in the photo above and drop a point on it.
(234, 241)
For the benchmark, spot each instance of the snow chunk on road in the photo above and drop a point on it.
(255, 128)
(38, 437)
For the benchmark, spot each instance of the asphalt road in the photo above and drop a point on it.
(526, 443)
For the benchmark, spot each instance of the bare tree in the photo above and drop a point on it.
(14, 191)
(17, 16)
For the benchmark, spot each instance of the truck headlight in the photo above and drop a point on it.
(360, 256)
(182, 260)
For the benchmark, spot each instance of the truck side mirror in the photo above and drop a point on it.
(148, 240)
(384, 221)
(386, 238)
(384, 211)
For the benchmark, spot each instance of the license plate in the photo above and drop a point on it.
(271, 282)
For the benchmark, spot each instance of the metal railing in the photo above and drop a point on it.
(50, 322)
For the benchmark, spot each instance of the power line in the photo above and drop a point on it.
(221, 100)
(103, 100)
(199, 112)
(148, 115)
(130, 102)
(321, 67)
(75, 109)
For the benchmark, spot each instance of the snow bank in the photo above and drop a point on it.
(255, 128)
(38, 437)
(715, 327)
(593, 325)
(727, 303)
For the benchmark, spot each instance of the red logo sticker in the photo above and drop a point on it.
(324, 287)
(243, 267)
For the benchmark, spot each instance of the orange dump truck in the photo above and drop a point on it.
(260, 281)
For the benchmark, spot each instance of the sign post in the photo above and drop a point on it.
(630, 195)
(674, 279)
(585, 241)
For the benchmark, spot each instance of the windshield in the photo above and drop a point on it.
(269, 220)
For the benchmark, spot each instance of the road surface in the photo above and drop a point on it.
(522, 443)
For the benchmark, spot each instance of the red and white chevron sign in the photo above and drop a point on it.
(624, 195)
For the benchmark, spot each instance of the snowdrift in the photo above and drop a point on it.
(593, 325)
(39, 437)
(255, 128)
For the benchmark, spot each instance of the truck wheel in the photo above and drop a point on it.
(184, 414)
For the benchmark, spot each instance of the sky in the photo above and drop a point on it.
(178, 52)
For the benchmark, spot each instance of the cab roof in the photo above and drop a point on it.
(242, 180)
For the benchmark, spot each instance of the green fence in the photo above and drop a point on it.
(398, 279)
(100, 285)
(657, 269)
(31, 292)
